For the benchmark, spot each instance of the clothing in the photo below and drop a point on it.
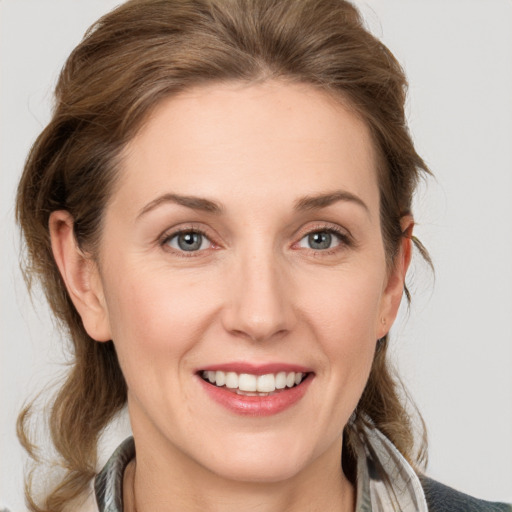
(385, 482)
(442, 498)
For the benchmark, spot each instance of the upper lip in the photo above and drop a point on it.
(254, 368)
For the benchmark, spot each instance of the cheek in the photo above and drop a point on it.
(156, 317)
(344, 305)
(344, 315)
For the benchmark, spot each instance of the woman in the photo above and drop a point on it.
(220, 212)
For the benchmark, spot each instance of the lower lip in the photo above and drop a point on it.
(257, 405)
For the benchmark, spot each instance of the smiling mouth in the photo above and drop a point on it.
(247, 384)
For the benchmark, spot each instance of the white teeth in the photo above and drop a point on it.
(266, 383)
(231, 380)
(249, 384)
(220, 378)
(281, 380)
(247, 393)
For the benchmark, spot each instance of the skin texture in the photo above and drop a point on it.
(255, 291)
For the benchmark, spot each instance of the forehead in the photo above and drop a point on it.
(258, 138)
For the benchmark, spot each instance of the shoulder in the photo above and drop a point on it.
(441, 498)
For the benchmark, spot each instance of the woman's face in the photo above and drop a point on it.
(242, 244)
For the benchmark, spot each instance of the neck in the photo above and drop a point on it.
(150, 484)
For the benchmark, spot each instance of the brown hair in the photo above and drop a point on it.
(132, 58)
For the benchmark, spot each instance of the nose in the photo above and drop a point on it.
(259, 307)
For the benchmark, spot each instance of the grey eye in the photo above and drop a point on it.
(189, 241)
(320, 240)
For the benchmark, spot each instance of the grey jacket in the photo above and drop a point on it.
(441, 498)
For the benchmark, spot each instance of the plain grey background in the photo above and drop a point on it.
(454, 346)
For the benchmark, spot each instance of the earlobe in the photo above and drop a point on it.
(396, 279)
(80, 275)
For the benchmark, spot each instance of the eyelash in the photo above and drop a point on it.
(345, 240)
(167, 237)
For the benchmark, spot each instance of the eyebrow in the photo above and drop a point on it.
(206, 205)
(324, 200)
(195, 203)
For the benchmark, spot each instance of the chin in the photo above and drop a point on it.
(254, 461)
(265, 472)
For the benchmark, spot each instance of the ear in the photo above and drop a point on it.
(393, 292)
(81, 276)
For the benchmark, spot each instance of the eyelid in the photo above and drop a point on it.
(170, 233)
(344, 235)
(346, 238)
(324, 226)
